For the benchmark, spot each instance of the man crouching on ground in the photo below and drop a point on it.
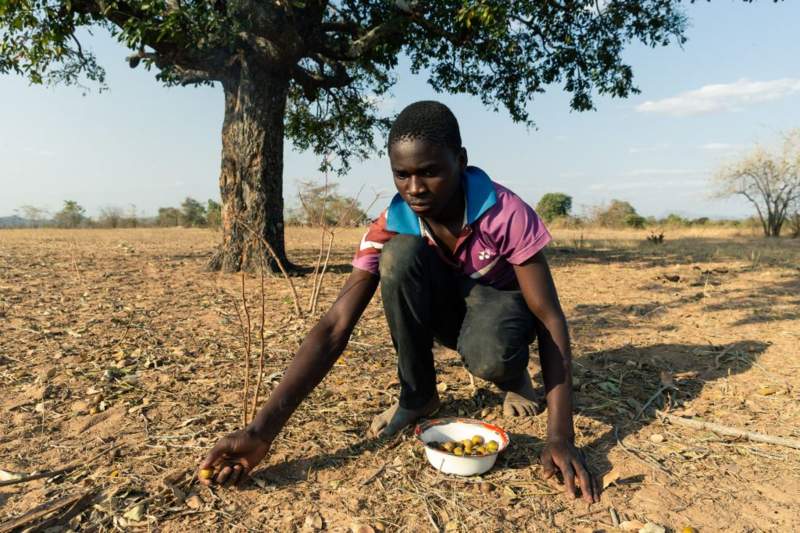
(459, 259)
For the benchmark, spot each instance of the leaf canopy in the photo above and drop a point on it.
(341, 56)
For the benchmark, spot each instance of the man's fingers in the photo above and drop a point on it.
(548, 468)
(587, 487)
(569, 476)
(236, 475)
(224, 474)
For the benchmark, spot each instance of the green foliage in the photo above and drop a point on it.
(554, 205)
(193, 213)
(339, 59)
(213, 214)
(618, 214)
(675, 221)
(323, 205)
(71, 215)
(634, 221)
(168, 217)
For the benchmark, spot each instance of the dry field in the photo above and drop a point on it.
(121, 358)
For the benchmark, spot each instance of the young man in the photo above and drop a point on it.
(459, 259)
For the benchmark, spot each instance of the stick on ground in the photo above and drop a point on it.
(730, 431)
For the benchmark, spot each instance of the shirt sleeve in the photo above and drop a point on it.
(524, 234)
(368, 255)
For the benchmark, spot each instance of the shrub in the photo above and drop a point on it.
(554, 205)
(71, 215)
(321, 204)
(617, 214)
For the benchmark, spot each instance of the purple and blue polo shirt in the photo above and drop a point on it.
(500, 230)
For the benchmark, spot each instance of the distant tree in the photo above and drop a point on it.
(110, 217)
(131, 219)
(35, 216)
(168, 217)
(213, 214)
(313, 71)
(794, 224)
(71, 215)
(618, 214)
(554, 205)
(768, 180)
(674, 220)
(192, 213)
(321, 204)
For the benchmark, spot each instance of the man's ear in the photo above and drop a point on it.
(462, 159)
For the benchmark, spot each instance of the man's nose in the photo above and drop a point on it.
(416, 186)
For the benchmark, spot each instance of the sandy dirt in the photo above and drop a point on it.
(121, 340)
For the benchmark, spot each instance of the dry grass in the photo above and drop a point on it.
(121, 337)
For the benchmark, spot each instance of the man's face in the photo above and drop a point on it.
(426, 175)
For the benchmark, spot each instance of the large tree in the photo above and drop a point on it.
(314, 71)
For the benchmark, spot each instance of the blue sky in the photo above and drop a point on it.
(736, 82)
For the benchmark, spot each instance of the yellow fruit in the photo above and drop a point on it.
(448, 446)
(477, 439)
(689, 529)
(458, 451)
(205, 473)
(492, 446)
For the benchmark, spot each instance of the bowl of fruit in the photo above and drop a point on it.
(461, 446)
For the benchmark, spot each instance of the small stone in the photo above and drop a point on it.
(313, 521)
(194, 502)
(652, 528)
(657, 438)
(135, 513)
(631, 525)
(361, 528)
(486, 488)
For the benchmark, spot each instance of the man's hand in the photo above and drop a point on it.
(563, 456)
(232, 459)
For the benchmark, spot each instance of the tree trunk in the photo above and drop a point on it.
(251, 179)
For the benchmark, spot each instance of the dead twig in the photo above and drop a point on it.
(74, 504)
(54, 473)
(247, 341)
(262, 346)
(322, 275)
(277, 260)
(730, 431)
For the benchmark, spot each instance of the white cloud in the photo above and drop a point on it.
(722, 97)
(649, 185)
(651, 148)
(720, 147)
(663, 172)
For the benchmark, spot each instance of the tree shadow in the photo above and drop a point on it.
(680, 251)
(615, 386)
(767, 303)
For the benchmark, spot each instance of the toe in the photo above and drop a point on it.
(508, 409)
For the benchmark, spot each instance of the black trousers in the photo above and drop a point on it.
(424, 299)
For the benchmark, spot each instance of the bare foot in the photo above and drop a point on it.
(396, 418)
(523, 401)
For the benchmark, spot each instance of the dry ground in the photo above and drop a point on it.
(120, 337)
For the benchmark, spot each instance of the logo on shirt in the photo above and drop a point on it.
(483, 255)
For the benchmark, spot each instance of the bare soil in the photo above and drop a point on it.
(122, 338)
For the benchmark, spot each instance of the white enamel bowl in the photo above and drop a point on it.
(456, 429)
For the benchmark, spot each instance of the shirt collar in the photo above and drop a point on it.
(479, 194)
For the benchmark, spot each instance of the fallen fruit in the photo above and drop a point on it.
(205, 473)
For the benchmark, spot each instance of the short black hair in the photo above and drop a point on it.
(429, 121)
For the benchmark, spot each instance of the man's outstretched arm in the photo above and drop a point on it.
(238, 453)
(539, 291)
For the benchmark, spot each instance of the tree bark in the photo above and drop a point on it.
(251, 178)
